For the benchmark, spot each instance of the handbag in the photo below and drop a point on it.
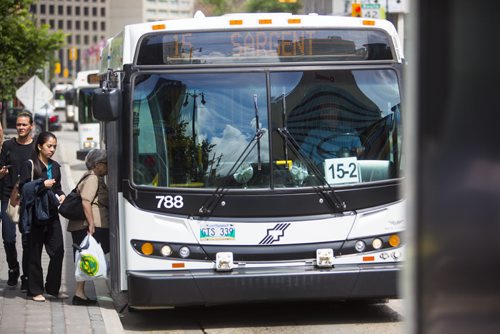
(90, 263)
(72, 208)
(13, 206)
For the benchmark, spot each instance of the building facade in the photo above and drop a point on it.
(326, 7)
(88, 23)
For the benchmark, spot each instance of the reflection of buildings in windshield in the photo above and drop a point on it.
(193, 153)
(329, 116)
(177, 153)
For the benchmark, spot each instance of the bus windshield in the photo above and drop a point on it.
(344, 128)
(85, 106)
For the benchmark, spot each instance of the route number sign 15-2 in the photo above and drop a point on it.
(342, 170)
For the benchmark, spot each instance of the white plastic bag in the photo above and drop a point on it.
(90, 263)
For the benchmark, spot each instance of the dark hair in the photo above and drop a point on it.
(25, 114)
(41, 139)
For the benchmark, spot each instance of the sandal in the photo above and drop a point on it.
(39, 298)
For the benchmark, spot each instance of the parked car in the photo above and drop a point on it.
(38, 120)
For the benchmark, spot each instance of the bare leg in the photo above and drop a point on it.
(80, 290)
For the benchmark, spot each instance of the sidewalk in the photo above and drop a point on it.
(19, 314)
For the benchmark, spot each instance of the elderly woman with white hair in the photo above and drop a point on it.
(94, 195)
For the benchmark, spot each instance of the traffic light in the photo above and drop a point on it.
(73, 53)
(57, 68)
(356, 9)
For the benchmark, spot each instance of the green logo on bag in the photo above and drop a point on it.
(89, 264)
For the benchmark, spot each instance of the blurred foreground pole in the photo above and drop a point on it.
(455, 186)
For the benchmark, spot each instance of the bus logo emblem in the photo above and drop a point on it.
(274, 234)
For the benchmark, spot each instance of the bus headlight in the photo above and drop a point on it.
(360, 246)
(89, 144)
(184, 252)
(377, 243)
(166, 250)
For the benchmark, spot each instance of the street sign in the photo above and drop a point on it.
(34, 94)
(398, 6)
(374, 11)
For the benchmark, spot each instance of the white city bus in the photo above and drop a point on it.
(59, 92)
(88, 127)
(254, 157)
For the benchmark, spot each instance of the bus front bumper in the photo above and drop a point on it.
(149, 289)
(81, 154)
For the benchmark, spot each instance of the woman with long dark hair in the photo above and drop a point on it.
(40, 182)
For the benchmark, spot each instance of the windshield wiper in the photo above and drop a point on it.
(326, 191)
(284, 119)
(257, 129)
(211, 203)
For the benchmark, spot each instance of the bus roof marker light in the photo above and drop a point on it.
(147, 248)
(265, 21)
(158, 27)
(235, 22)
(368, 22)
(294, 21)
(224, 261)
(324, 257)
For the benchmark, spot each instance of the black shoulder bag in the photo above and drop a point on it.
(72, 208)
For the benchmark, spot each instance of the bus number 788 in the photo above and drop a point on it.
(169, 201)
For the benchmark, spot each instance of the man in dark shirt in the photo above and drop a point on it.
(13, 156)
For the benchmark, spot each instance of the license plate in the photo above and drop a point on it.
(217, 232)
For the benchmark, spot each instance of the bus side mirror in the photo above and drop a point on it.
(106, 104)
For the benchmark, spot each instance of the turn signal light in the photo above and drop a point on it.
(147, 248)
(394, 240)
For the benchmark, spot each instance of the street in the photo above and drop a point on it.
(310, 317)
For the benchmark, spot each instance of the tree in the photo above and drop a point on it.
(24, 48)
(269, 6)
